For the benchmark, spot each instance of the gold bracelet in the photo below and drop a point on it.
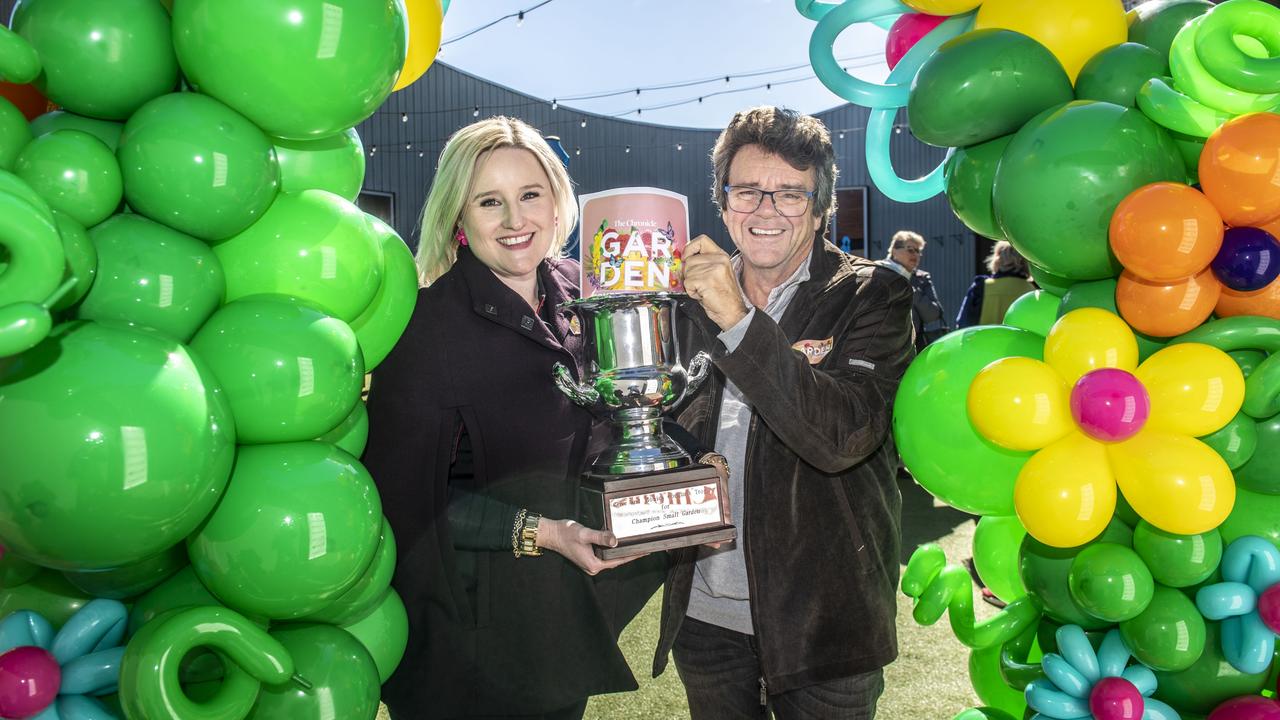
(524, 534)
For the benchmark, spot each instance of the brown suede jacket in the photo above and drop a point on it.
(821, 506)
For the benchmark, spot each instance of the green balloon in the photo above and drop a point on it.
(1236, 441)
(1102, 294)
(1110, 582)
(1065, 172)
(351, 434)
(1177, 560)
(1158, 21)
(334, 163)
(74, 172)
(931, 427)
(984, 713)
(14, 133)
(310, 71)
(1253, 514)
(81, 257)
(1209, 681)
(996, 543)
(1055, 284)
(117, 444)
(1248, 360)
(342, 674)
(14, 570)
(297, 527)
(984, 84)
(101, 59)
(152, 276)
(47, 593)
(198, 166)
(1035, 311)
(1190, 148)
(379, 327)
(368, 590)
(1125, 512)
(105, 130)
(1258, 473)
(181, 590)
(153, 661)
(969, 174)
(130, 580)
(384, 632)
(990, 686)
(1169, 635)
(1045, 571)
(1115, 74)
(312, 245)
(289, 371)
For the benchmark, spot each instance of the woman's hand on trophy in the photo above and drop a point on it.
(709, 278)
(576, 542)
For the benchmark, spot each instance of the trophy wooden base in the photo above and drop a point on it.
(668, 509)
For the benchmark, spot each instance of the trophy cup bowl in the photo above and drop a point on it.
(644, 487)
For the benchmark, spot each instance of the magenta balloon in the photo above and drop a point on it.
(1247, 707)
(1269, 608)
(1114, 698)
(906, 32)
(29, 681)
(1109, 404)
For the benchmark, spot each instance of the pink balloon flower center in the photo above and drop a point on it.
(1114, 698)
(1269, 608)
(29, 681)
(1110, 405)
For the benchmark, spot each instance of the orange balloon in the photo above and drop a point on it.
(1167, 309)
(1240, 169)
(1165, 231)
(27, 99)
(1272, 226)
(1264, 302)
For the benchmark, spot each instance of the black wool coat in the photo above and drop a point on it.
(489, 633)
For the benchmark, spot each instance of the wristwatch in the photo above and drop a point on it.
(524, 534)
(717, 461)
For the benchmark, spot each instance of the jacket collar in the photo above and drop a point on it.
(492, 300)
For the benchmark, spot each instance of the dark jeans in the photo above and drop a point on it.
(720, 670)
(573, 712)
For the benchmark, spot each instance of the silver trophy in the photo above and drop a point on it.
(650, 492)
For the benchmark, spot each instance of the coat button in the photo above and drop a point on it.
(526, 322)
(490, 309)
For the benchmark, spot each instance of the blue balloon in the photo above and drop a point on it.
(97, 672)
(1075, 648)
(834, 20)
(1044, 698)
(1113, 656)
(1248, 260)
(1250, 565)
(99, 625)
(25, 627)
(1065, 677)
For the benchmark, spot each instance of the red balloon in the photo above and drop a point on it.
(29, 681)
(27, 99)
(906, 32)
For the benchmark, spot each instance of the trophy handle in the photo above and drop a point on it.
(584, 395)
(699, 366)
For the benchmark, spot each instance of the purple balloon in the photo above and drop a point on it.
(29, 681)
(1248, 260)
(1110, 405)
(1114, 698)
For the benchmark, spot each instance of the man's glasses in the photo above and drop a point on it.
(788, 203)
(911, 250)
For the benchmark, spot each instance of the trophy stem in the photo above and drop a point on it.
(639, 445)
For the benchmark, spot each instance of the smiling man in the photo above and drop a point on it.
(795, 618)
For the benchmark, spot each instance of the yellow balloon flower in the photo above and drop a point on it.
(425, 19)
(1097, 419)
(1073, 30)
(942, 7)
(1019, 403)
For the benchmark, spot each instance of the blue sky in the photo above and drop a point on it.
(569, 48)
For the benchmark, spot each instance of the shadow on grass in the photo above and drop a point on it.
(922, 522)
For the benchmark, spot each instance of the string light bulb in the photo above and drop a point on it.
(404, 117)
(476, 111)
(554, 105)
(628, 148)
(520, 18)
(583, 123)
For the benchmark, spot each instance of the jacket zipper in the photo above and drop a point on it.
(746, 554)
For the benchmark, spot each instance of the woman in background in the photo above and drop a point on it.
(477, 455)
(991, 295)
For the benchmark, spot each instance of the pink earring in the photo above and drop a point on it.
(460, 237)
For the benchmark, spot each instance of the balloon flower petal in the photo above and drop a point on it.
(1020, 403)
(1195, 389)
(1175, 482)
(1066, 494)
(1088, 339)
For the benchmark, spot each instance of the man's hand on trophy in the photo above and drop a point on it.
(709, 278)
(575, 542)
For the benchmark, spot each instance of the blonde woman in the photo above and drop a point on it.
(991, 295)
(477, 455)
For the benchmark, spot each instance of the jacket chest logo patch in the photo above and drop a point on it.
(814, 350)
(575, 325)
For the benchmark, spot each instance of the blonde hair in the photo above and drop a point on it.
(902, 237)
(438, 244)
(1005, 258)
